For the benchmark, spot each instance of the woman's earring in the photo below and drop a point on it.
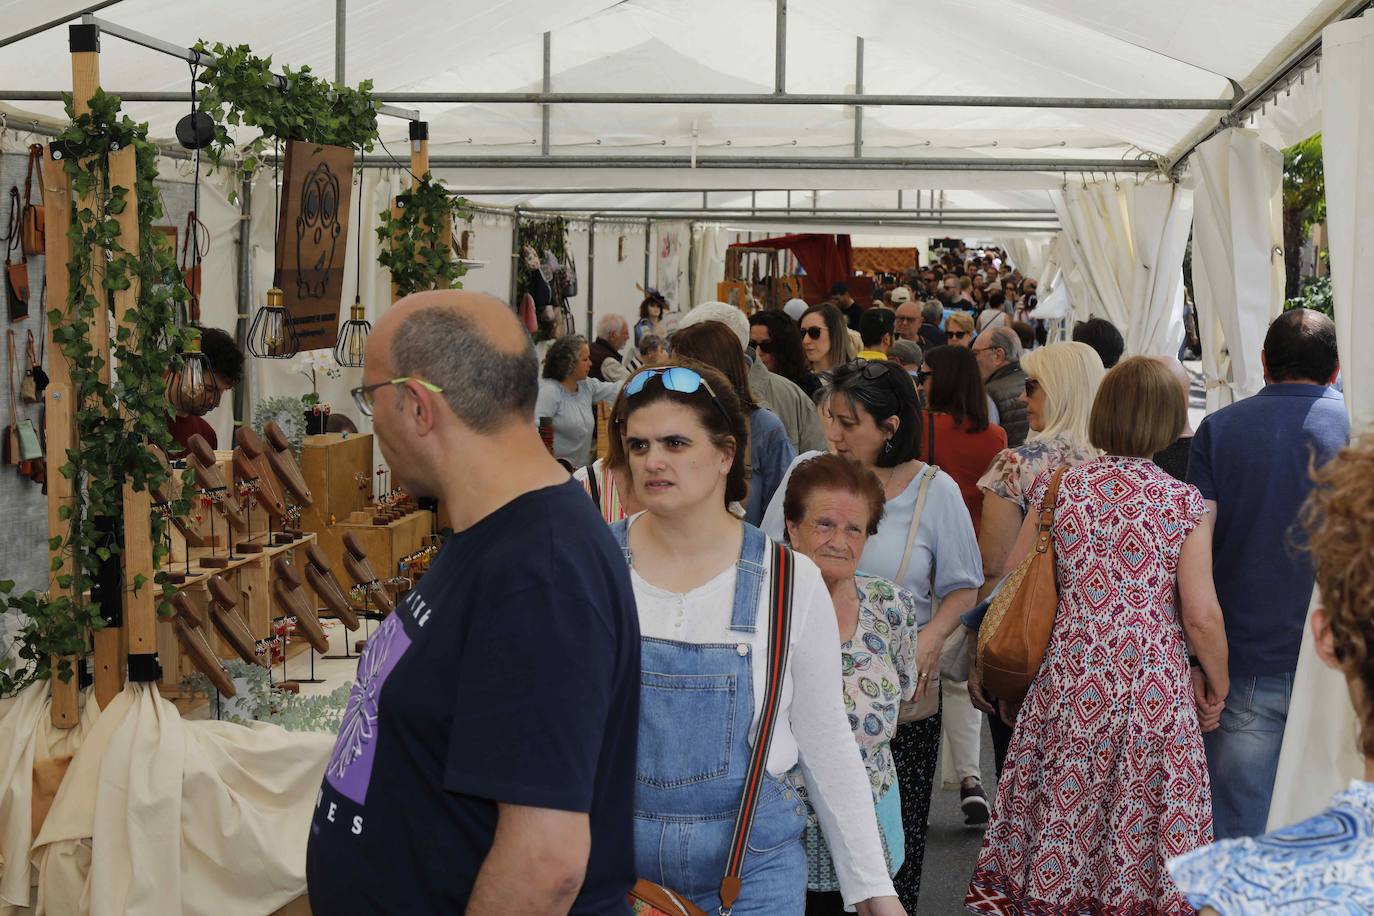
(887, 447)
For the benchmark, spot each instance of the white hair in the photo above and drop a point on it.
(727, 314)
(610, 324)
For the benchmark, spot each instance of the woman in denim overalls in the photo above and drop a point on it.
(700, 576)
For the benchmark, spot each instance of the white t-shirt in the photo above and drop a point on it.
(812, 729)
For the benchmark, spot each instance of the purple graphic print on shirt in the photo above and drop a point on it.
(350, 765)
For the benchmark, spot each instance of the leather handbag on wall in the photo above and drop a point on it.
(31, 233)
(1016, 632)
(16, 272)
(28, 386)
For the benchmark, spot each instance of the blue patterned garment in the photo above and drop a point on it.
(1323, 865)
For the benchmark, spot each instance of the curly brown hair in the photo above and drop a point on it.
(1339, 518)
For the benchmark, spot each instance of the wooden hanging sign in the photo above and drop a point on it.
(312, 238)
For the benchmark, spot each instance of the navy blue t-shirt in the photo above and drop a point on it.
(1253, 459)
(509, 674)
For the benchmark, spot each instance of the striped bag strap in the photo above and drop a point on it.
(779, 642)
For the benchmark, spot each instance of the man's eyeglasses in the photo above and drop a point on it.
(363, 395)
(675, 378)
(814, 332)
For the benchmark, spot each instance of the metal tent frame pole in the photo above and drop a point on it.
(822, 163)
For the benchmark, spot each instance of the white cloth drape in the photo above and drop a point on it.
(1319, 756)
(708, 263)
(1348, 156)
(1238, 275)
(1122, 253)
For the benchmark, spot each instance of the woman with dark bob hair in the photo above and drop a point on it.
(776, 341)
(832, 507)
(959, 437)
(925, 544)
(700, 579)
(566, 395)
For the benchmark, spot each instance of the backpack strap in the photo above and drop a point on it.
(594, 487)
(779, 643)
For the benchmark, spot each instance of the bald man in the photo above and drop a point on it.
(1174, 459)
(486, 759)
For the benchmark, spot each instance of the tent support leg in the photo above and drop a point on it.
(780, 50)
(648, 247)
(858, 90)
(544, 110)
(340, 38)
(245, 255)
(514, 257)
(591, 274)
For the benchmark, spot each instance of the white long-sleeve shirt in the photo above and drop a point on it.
(812, 727)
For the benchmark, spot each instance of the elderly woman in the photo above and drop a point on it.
(1061, 381)
(832, 507)
(1325, 863)
(1106, 778)
(700, 579)
(825, 337)
(566, 396)
(925, 544)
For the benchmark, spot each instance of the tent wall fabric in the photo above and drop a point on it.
(1319, 757)
(1238, 274)
(1124, 245)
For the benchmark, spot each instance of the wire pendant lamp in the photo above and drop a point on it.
(273, 335)
(352, 342)
(194, 391)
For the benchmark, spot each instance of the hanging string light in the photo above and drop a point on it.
(352, 342)
(273, 335)
(193, 390)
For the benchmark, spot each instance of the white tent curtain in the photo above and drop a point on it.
(708, 265)
(1125, 242)
(1238, 275)
(1319, 756)
(1028, 253)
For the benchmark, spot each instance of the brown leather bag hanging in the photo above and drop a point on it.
(16, 272)
(1016, 632)
(12, 449)
(194, 245)
(32, 222)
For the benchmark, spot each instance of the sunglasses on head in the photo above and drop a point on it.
(814, 332)
(675, 378)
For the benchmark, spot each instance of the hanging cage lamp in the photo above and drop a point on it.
(348, 351)
(272, 335)
(194, 391)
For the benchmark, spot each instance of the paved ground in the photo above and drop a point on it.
(952, 848)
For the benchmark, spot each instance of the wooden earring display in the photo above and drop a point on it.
(163, 495)
(283, 462)
(327, 587)
(292, 599)
(363, 573)
(197, 647)
(202, 462)
(250, 461)
(226, 619)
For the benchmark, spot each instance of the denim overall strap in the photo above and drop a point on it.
(621, 532)
(750, 573)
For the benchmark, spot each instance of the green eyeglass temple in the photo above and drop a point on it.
(362, 396)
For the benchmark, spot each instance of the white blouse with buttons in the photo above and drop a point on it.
(812, 729)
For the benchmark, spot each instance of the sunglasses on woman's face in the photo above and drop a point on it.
(813, 332)
(958, 335)
(763, 346)
(1032, 386)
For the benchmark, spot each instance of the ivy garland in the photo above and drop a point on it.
(417, 255)
(115, 421)
(239, 88)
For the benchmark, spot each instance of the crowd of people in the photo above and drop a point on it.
(761, 613)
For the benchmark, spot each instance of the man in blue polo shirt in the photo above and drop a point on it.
(1253, 462)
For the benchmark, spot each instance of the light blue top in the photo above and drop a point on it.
(1323, 865)
(770, 455)
(945, 540)
(574, 419)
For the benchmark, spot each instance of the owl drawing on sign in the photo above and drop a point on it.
(317, 231)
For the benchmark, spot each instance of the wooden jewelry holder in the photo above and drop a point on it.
(197, 648)
(327, 587)
(231, 626)
(201, 459)
(283, 462)
(250, 462)
(291, 597)
(360, 568)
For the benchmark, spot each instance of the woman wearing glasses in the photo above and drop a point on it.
(825, 337)
(566, 396)
(1061, 382)
(777, 342)
(959, 329)
(700, 578)
(925, 544)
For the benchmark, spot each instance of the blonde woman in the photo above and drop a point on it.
(1061, 382)
(959, 329)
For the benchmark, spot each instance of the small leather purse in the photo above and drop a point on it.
(1016, 632)
(31, 226)
(16, 271)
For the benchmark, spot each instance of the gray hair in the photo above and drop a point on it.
(649, 343)
(485, 387)
(932, 311)
(562, 356)
(1006, 340)
(611, 323)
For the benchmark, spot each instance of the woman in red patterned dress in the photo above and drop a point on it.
(1106, 777)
